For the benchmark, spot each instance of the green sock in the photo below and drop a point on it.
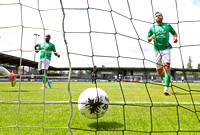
(167, 79)
(46, 77)
(43, 78)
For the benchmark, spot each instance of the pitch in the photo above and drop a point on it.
(135, 108)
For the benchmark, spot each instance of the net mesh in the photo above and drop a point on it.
(102, 33)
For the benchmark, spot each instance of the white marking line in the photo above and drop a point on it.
(167, 103)
(113, 102)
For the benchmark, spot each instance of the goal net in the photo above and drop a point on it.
(108, 34)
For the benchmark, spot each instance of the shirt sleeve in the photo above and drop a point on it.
(39, 47)
(150, 33)
(171, 30)
(53, 48)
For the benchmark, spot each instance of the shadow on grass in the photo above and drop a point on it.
(14, 91)
(105, 125)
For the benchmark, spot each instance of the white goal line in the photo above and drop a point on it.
(111, 103)
(34, 127)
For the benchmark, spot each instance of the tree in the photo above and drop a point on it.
(198, 73)
(53, 72)
(72, 72)
(189, 64)
(88, 71)
(198, 66)
(80, 72)
(61, 72)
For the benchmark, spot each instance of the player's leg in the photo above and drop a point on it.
(5, 72)
(163, 70)
(46, 80)
(49, 82)
(43, 67)
(95, 76)
(166, 67)
(167, 77)
(160, 72)
(43, 79)
(12, 79)
(41, 72)
(46, 76)
(92, 79)
(159, 65)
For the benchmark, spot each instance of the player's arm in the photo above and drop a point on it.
(36, 48)
(175, 37)
(173, 32)
(149, 39)
(151, 35)
(54, 51)
(56, 54)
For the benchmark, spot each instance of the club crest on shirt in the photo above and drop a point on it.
(164, 26)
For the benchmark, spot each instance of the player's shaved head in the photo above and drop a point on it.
(48, 35)
(47, 38)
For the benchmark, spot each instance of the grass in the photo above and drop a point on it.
(135, 108)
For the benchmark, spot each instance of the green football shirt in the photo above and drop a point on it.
(162, 36)
(49, 48)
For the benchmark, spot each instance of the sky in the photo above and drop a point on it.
(99, 32)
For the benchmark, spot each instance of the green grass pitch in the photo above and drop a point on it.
(135, 109)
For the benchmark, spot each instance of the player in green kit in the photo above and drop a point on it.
(159, 33)
(45, 58)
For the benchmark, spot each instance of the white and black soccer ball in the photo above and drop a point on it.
(93, 103)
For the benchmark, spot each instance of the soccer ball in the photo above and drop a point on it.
(93, 103)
